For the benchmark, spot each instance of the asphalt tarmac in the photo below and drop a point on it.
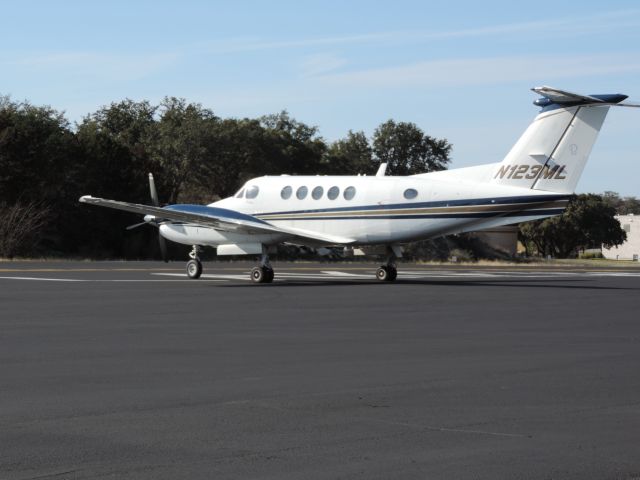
(130, 370)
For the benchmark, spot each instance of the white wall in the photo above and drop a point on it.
(631, 247)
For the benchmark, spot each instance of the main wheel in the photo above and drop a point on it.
(393, 273)
(269, 275)
(382, 273)
(262, 275)
(194, 269)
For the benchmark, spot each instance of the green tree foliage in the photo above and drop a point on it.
(182, 139)
(588, 222)
(37, 148)
(113, 163)
(290, 146)
(350, 156)
(407, 150)
(622, 205)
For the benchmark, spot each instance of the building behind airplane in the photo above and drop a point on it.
(535, 180)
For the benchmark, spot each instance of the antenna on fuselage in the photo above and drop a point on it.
(381, 170)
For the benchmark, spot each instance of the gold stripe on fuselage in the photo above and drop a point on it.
(497, 208)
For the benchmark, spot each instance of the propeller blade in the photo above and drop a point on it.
(136, 225)
(154, 199)
(154, 193)
(163, 248)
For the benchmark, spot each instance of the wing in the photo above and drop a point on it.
(217, 218)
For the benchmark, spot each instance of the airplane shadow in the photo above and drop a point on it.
(509, 283)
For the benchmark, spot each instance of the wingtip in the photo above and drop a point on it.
(85, 198)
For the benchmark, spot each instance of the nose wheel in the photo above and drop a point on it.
(194, 266)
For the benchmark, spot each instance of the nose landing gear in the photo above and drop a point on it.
(194, 266)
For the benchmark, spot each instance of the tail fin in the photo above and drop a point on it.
(553, 151)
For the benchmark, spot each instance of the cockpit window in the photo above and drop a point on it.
(240, 193)
(252, 191)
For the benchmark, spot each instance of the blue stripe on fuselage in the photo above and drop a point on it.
(440, 203)
(525, 213)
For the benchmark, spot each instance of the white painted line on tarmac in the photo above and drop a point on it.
(101, 280)
(43, 279)
(336, 273)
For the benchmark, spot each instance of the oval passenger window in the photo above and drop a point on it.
(410, 193)
(301, 193)
(333, 193)
(317, 193)
(286, 192)
(349, 193)
(252, 192)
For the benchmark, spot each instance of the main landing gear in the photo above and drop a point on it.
(262, 273)
(389, 272)
(194, 266)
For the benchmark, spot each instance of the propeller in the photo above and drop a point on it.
(156, 203)
(151, 220)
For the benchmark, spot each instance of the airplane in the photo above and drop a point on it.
(535, 180)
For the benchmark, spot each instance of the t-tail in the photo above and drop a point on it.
(553, 151)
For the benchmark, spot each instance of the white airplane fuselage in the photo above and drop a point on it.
(378, 212)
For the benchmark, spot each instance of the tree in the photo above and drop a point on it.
(290, 146)
(115, 163)
(588, 222)
(37, 149)
(180, 141)
(349, 156)
(20, 226)
(407, 150)
(624, 206)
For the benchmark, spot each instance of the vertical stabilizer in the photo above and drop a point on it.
(552, 152)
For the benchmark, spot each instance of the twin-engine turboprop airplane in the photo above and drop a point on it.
(535, 180)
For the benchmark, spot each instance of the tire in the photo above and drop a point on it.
(194, 269)
(269, 275)
(258, 275)
(393, 274)
(382, 273)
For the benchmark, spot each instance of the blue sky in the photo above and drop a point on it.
(460, 70)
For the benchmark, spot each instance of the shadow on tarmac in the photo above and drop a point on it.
(514, 283)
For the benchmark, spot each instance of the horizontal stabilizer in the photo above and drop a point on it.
(556, 96)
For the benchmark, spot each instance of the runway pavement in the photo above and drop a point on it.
(130, 370)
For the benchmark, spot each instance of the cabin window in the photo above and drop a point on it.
(286, 192)
(410, 193)
(349, 193)
(333, 193)
(252, 192)
(240, 193)
(317, 193)
(301, 193)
